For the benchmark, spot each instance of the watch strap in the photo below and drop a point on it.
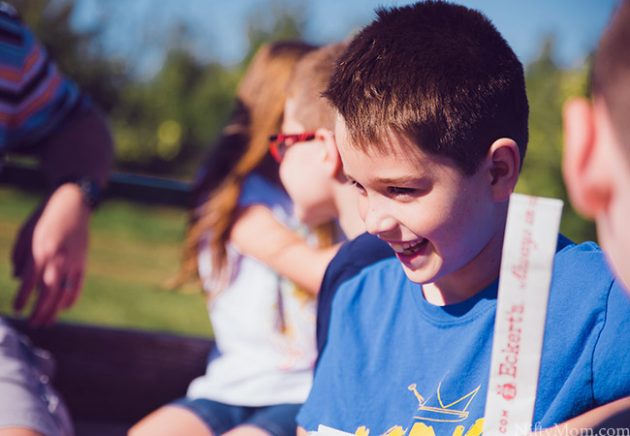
(91, 190)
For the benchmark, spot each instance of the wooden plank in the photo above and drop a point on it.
(116, 375)
(139, 189)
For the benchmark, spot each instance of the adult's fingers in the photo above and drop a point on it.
(19, 256)
(49, 294)
(29, 277)
(22, 249)
(21, 253)
(71, 288)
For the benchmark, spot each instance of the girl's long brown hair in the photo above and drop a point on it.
(241, 148)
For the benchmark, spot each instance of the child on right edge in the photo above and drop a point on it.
(432, 131)
(596, 162)
(597, 145)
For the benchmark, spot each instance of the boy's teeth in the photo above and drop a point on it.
(406, 246)
(397, 248)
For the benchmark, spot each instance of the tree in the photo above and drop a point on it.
(168, 123)
(548, 87)
(280, 20)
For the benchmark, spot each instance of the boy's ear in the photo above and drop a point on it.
(584, 163)
(332, 160)
(504, 162)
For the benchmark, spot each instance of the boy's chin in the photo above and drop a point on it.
(420, 275)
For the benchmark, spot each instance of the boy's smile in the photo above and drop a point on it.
(407, 251)
(444, 226)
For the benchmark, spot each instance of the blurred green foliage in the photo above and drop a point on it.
(548, 88)
(164, 125)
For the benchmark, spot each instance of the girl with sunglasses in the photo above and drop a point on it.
(259, 274)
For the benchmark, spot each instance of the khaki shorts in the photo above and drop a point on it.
(27, 399)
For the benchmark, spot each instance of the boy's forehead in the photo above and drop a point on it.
(368, 160)
(341, 132)
(396, 159)
(390, 144)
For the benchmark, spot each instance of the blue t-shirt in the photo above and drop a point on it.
(395, 360)
(257, 189)
(352, 257)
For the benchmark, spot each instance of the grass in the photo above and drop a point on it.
(134, 250)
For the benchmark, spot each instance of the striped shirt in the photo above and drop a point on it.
(35, 97)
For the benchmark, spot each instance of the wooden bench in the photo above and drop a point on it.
(110, 378)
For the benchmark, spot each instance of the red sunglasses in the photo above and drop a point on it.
(278, 144)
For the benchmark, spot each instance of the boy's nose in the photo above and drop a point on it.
(377, 220)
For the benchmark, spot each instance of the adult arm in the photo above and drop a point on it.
(50, 252)
(593, 419)
(257, 233)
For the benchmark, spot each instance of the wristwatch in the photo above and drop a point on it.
(92, 192)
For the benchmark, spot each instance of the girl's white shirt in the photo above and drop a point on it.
(264, 326)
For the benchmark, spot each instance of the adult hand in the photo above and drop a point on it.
(50, 253)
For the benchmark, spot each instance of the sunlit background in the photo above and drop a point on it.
(165, 74)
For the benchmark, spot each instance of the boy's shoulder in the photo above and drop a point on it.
(377, 288)
(582, 279)
(567, 245)
(580, 258)
(361, 264)
(386, 270)
(352, 258)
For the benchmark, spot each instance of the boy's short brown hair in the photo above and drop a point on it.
(611, 72)
(440, 74)
(309, 80)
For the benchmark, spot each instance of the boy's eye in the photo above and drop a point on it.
(356, 185)
(398, 190)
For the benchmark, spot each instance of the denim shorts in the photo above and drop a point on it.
(277, 420)
(27, 399)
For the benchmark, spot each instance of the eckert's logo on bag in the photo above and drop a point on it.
(528, 250)
(508, 366)
(513, 317)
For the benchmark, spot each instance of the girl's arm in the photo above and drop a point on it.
(257, 233)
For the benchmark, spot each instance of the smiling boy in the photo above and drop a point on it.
(432, 131)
